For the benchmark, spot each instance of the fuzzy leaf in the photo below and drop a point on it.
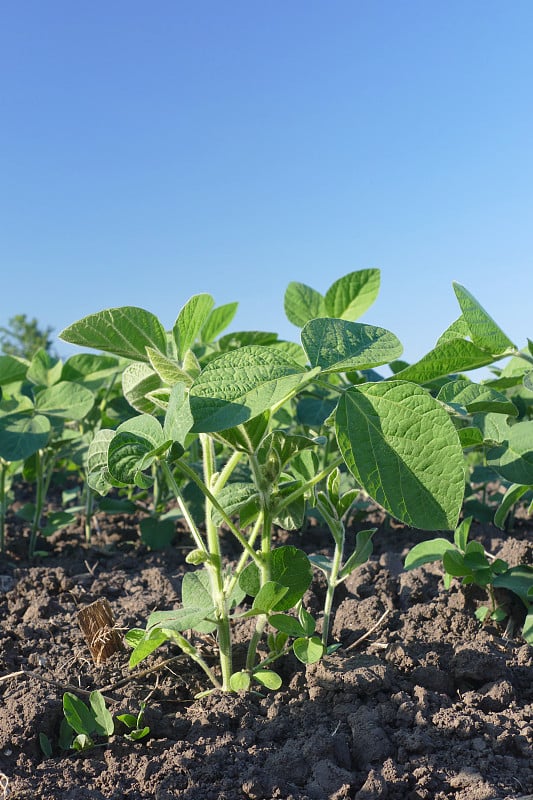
(240, 385)
(219, 318)
(513, 459)
(350, 296)
(125, 331)
(303, 303)
(335, 345)
(483, 330)
(402, 447)
(190, 321)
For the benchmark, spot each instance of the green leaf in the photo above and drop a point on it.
(138, 379)
(167, 369)
(65, 400)
(157, 533)
(519, 580)
(513, 460)
(128, 719)
(335, 345)
(195, 594)
(145, 646)
(98, 476)
(44, 370)
(93, 370)
(457, 330)
(138, 733)
(483, 330)
(133, 448)
(104, 724)
(22, 435)
(470, 437)
(219, 318)
(427, 552)
(510, 498)
(308, 651)
(179, 619)
(493, 427)
(240, 681)
(268, 678)
(288, 566)
(456, 355)
(527, 630)
(471, 398)
(235, 498)
(454, 564)
(460, 536)
(190, 321)
(287, 624)
(350, 296)
(402, 447)
(361, 554)
(240, 385)
(82, 742)
(12, 369)
(246, 437)
(78, 716)
(302, 303)
(45, 744)
(267, 598)
(125, 331)
(178, 417)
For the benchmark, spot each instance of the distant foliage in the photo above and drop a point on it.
(23, 337)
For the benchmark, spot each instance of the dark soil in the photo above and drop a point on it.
(431, 706)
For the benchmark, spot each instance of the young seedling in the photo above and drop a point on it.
(134, 723)
(469, 561)
(334, 509)
(86, 721)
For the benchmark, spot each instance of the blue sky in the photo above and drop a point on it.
(152, 151)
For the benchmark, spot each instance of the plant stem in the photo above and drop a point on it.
(89, 498)
(332, 585)
(195, 533)
(214, 568)
(39, 500)
(303, 489)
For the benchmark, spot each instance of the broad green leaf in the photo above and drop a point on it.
(44, 370)
(350, 296)
(180, 619)
(457, 330)
(237, 339)
(513, 459)
(22, 435)
(528, 381)
(454, 564)
(288, 566)
(527, 630)
(240, 385)
(511, 497)
(277, 449)
(190, 321)
(303, 303)
(287, 624)
(134, 447)
(493, 427)
(196, 594)
(267, 598)
(456, 355)
(167, 369)
(178, 417)
(93, 370)
(78, 715)
(483, 330)
(82, 742)
(268, 678)
(314, 411)
(427, 552)
(401, 446)
(98, 476)
(471, 398)
(65, 400)
(145, 646)
(219, 318)
(240, 681)
(126, 331)
(336, 345)
(233, 498)
(470, 437)
(308, 651)
(12, 369)
(102, 717)
(157, 533)
(138, 379)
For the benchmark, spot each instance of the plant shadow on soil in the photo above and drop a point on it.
(430, 707)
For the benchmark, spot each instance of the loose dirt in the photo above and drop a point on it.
(431, 706)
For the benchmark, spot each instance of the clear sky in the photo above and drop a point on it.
(150, 151)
